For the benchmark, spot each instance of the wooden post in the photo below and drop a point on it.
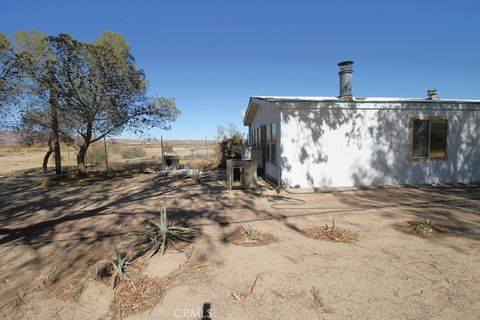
(163, 159)
(68, 153)
(106, 155)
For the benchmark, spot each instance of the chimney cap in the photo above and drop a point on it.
(432, 94)
(345, 63)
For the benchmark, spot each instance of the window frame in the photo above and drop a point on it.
(268, 141)
(411, 138)
(273, 141)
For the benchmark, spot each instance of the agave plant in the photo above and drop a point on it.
(330, 228)
(249, 231)
(120, 263)
(426, 225)
(163, 233)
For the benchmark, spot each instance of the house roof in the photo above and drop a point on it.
(255, 102)
(360, 99)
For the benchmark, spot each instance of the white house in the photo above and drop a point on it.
(346, 141)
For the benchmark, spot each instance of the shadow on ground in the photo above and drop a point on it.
(65, 227)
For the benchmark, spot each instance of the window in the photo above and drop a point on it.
(257, 137)
(263, 138)
(267, 143)
(429, 140)
(274, 144)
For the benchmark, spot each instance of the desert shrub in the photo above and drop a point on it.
(230, 145)
(114, 147)
(167, 147)
(231, 148)
(132, 152)
(95, 155)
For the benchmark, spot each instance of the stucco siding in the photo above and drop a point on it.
(348, 146)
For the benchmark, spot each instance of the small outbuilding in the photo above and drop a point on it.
(347, 141)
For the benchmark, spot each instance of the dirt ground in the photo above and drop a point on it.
(54, 235)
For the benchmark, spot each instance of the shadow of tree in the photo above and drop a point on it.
(64, 230)
(342, 144)
(67, 228)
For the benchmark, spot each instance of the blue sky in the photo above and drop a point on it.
(213, 55)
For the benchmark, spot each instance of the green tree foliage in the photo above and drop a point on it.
(231, 143)
(105, 91)
(9, 77)
(95, 88)
(40, 86)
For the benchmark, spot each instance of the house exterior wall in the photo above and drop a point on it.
(363, 144)
(264, 116)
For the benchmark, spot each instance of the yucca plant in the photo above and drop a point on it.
(119, 263)
(163, 233)
(330, 228)
(426, 225)
(249, 231)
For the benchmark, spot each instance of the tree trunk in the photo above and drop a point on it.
(46, 157)
(82, 152)
(55, 134)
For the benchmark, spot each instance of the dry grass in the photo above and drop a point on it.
(317, 301)
(423, 229)
(242, 296)
(13, 304)
(139, 292)
(143, 292)
(17, 159)
(330, 233)
(70, 290)
(249, 237)
(137, 295)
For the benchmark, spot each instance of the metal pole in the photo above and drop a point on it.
(106, 155)
(206, 149)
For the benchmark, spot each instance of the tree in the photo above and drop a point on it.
(39, 69)
(105, 91)
(226, 132)
(9, 77)
(231, 143)
(34, 128)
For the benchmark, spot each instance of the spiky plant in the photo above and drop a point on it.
(249, 231)
(425, 226)
(163, 233)
(119, 263)
(332, 228)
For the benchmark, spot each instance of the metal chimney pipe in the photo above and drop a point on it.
(345, 74)
(432, 94)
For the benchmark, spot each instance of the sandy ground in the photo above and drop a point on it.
(15, 158)
(54, 235)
